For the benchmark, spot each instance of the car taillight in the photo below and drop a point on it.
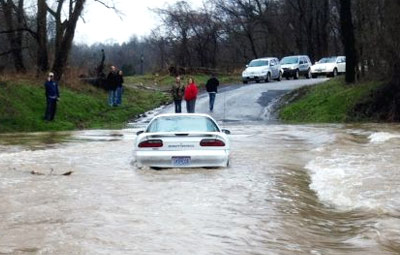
(212, 142)
(151, 144)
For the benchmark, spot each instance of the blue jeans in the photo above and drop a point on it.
(178, 106)
(119, 92)
(190, 105)
(112, 97)
(51, 108)
(212, 100)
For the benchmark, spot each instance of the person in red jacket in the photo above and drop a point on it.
(191, 95)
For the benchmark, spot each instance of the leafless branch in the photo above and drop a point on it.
(112, 7)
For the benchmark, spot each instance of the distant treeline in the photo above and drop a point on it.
(223, 35)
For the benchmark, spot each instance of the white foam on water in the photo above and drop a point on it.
(357, 177)
(381, 137)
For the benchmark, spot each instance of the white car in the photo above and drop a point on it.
(262, 69)
(182, 141)
(331, 66)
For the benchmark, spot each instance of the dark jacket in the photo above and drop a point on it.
(191, 92)
(212, 85)
(177, 91)
(120, 80)
(51, 90)
(112, 81)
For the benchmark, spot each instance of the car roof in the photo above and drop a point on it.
(182, 114)
(266, 58)
(334, 57)
(296, 56)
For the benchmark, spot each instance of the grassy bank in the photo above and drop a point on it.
(22, 106)
(330, 102)
(165, 81)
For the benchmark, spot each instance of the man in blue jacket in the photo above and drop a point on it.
(52, 96)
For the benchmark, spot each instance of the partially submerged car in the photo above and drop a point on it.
(182, 141)
(330, 66)
(262, 69)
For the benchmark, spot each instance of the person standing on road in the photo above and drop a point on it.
(191, 95)
(177, 92)
(52, 96)
(120, 88)
(212, 89)
(112, 84)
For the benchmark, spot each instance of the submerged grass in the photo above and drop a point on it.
(330, 102)
(22, 106)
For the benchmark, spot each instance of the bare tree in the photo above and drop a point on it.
(41, 36)
(65, 32)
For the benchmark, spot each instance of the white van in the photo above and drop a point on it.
(262, 69)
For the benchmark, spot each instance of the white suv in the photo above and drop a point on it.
(294, 66)
(331, 66)
(262, 69)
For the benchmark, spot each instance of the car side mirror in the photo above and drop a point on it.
(139, 132)
(316, 62)
(247, 65)
(226, 131)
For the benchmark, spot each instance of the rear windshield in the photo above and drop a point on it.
(256, 63)
(182, 124)
(289, 60)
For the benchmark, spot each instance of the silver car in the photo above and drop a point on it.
(182, 141)
(294, 66)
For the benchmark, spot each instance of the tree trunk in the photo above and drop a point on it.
(64, 36)
(14, 36)
(42, 54)
(348, 39)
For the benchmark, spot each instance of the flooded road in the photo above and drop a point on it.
(290, 189)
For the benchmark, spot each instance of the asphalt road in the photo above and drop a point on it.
(250, 102)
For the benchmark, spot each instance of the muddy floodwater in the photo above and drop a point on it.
(290, 189)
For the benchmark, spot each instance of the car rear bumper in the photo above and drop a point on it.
(163, 159)
(318, 72)
(254, 78)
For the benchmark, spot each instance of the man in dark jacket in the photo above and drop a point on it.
(112, 85)
(212, 89)
(120, 88)
(52, 96)
(177, 91)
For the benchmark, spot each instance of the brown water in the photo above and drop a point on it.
(289, 190)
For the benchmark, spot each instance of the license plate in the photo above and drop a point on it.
(180, 161)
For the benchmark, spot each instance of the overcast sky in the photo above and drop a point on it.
(103, 25)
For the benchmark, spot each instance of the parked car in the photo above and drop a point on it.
(294, 66)
(183, 141)
(262, 69)
(330, 66)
